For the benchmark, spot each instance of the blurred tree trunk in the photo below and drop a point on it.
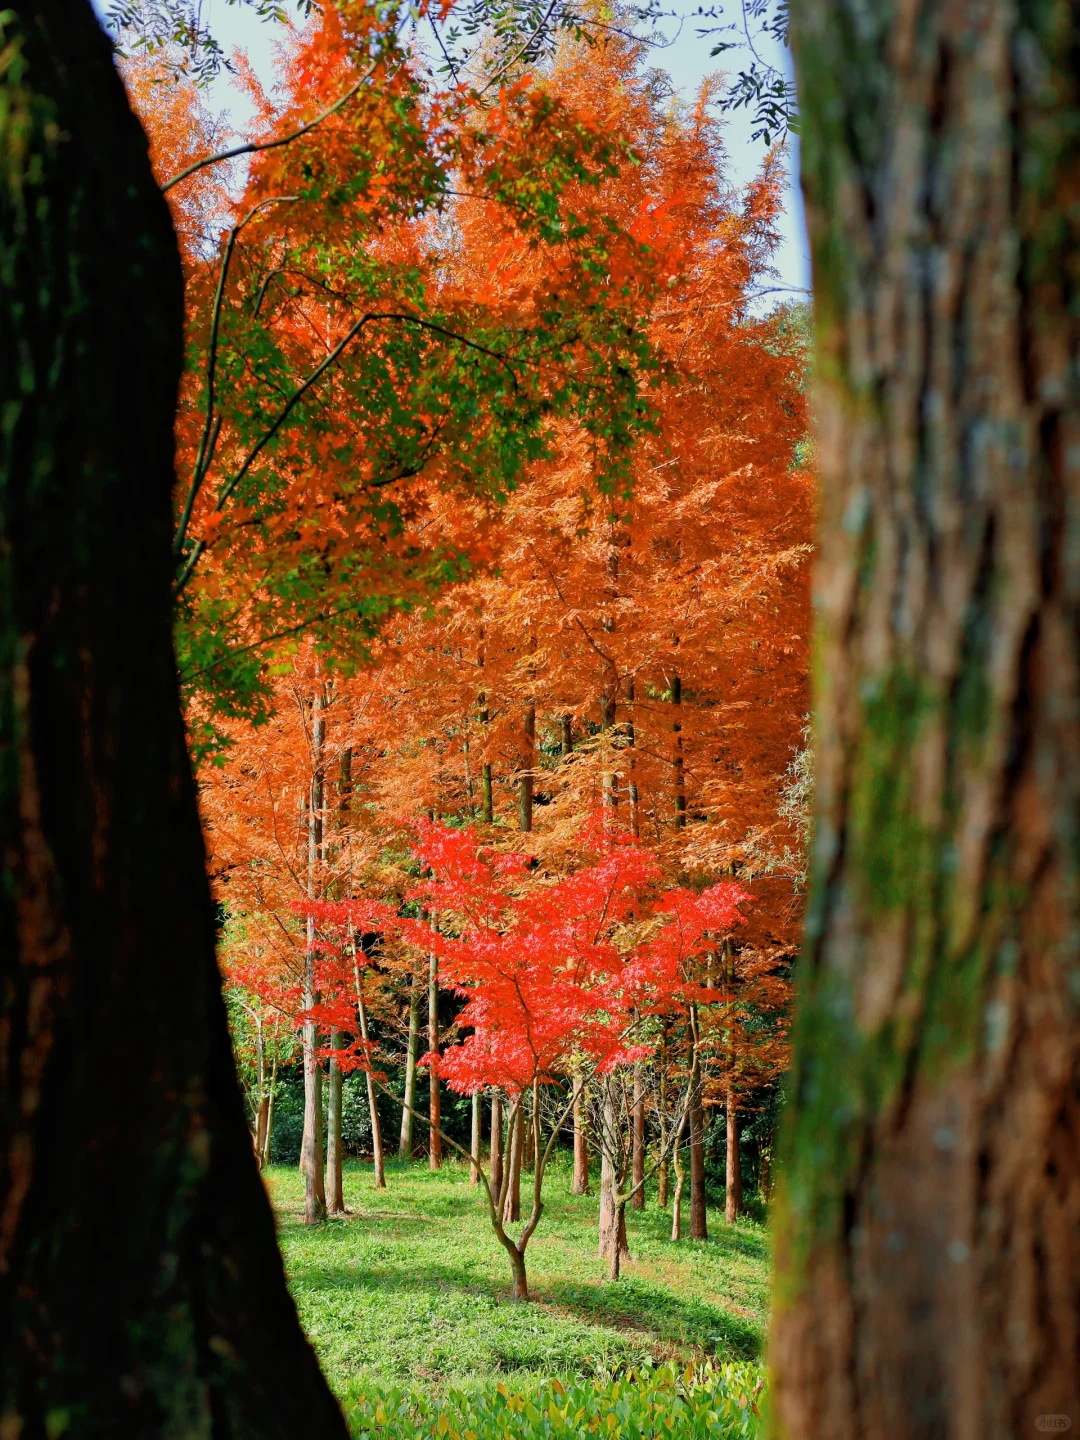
(928, 1203)
(162, 1312)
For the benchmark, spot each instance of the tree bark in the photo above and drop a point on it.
(699, 1225)
(733, 1200)
(637, 1173)
(929, 1200)
(169, 1315)
(496, 1144)
(335, 1194)
(566, 739)
(405, 1141)
(580, 1183)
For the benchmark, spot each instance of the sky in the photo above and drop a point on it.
(686, 59)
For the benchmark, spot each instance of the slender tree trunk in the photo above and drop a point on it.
(613, 1242)
(566, 743)
(477, 1132)
(699, 1226)
(496, 1144)
(311, 1150)
(680, 1179)
(677, 770)
(609, 780)
(335, 1193)
(663, 1170)
(637, 1174)
(372, 1098)
(733, 1198)
(268, 1136)
(512, 1207)
(434, 1084)
(580, 1185)
(929, 1201)
(168, 1315)
(631, 743)
(525, 786)
(528, 1157)
(405, 1143)
(262, 1100)
(488, 811)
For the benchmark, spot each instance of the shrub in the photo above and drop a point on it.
(709, 1402)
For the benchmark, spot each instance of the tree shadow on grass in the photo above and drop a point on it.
(658, 1318)
(669, 1320)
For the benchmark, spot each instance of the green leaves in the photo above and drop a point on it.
(707, 1402)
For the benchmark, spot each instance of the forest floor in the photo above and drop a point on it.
(409, 1292)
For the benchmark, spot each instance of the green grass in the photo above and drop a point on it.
(406, 1300)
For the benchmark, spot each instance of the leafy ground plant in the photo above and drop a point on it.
(709, 1402)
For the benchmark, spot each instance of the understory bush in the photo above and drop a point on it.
(706, 1402)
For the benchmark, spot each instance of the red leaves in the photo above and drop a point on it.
(552, 972)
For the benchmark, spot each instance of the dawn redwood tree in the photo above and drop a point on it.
(929, 1214)
(155, 1307)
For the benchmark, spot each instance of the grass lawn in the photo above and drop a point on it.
(408, 1295)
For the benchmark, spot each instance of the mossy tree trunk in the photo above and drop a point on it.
(161, 1311)
(928, 1206)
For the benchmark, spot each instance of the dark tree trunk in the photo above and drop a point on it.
(699, 1225)
(929, 1199)
(566, 741)
(164, 1312)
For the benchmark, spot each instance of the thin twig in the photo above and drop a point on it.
(253, 147)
